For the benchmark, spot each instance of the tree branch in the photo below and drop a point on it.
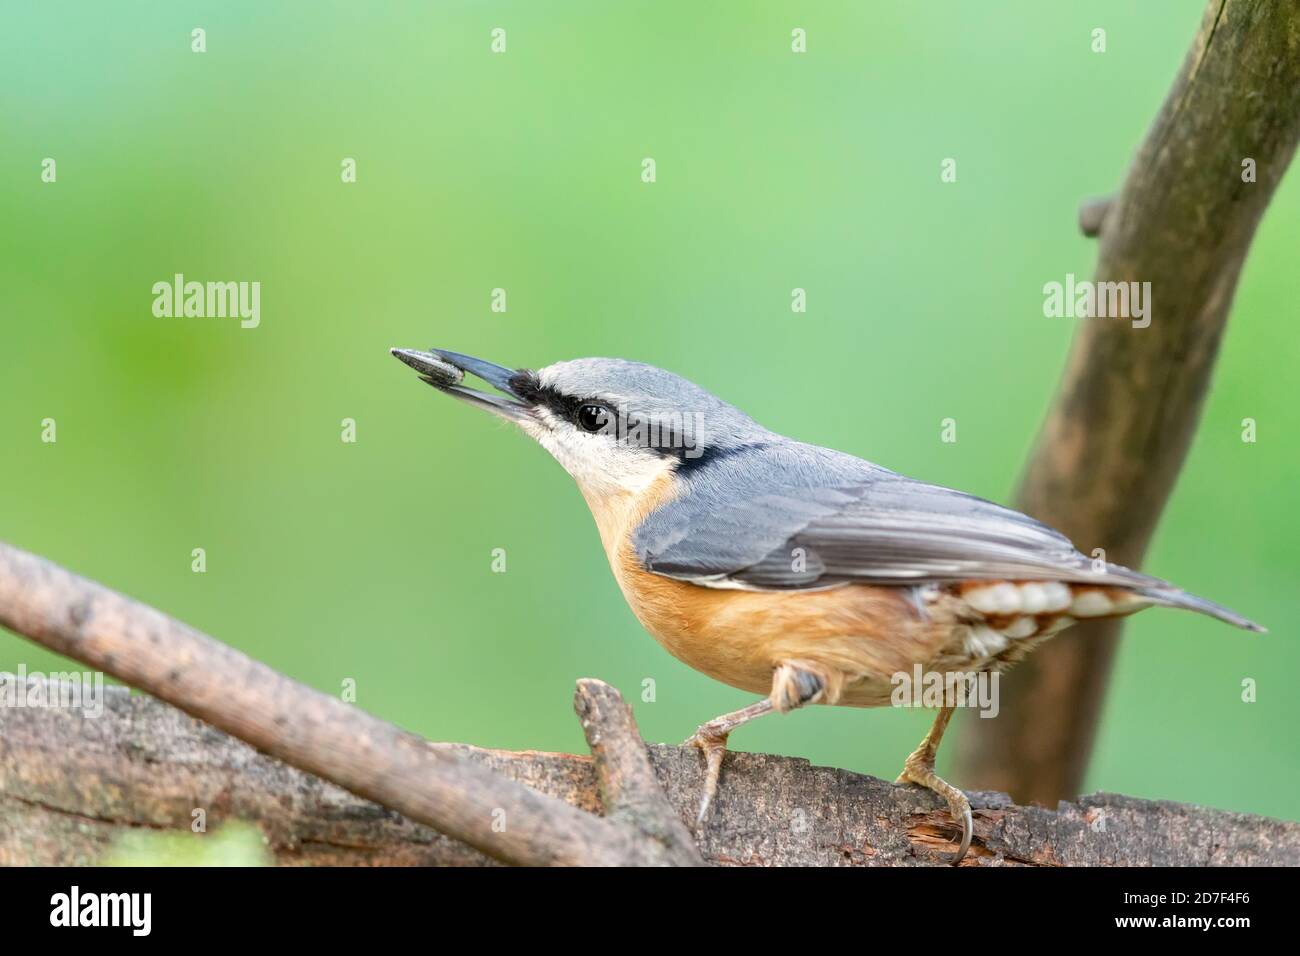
(308, 729)
(629, 790)
(1119, 429)
(70, 786)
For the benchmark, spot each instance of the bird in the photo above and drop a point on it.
(792, 571)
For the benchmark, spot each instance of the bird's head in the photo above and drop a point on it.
(614, 425)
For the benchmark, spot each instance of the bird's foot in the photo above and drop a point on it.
(793, 685)
(710, 740)
(920, 771)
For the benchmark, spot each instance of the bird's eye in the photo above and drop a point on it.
(593, 418)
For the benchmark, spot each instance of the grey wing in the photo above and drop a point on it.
(796, 516)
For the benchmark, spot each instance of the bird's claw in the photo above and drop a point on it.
(958, 805)
(960, 810)
(713, 746)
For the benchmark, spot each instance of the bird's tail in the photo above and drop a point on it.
(1170, 596)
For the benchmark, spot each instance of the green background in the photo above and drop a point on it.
(372, 561)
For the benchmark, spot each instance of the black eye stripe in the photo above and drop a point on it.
(526, 385)
(529, 388)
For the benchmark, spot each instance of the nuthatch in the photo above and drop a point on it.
(794, 571)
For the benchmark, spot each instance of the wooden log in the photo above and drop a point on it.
(71, 785)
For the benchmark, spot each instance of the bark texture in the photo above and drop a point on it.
(71, 785)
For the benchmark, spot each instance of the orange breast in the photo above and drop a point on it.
(854, 634)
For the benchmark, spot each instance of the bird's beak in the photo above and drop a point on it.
(445, 371)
